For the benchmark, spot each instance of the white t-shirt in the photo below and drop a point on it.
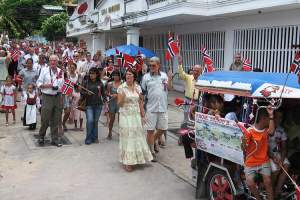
(276, 139)
(81, 68)
(34, 57)
(68, 52)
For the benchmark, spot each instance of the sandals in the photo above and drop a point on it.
(128, 168)
(109, 137)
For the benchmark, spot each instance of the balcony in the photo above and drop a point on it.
(152, 2)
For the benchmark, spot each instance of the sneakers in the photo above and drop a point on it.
(56, 143)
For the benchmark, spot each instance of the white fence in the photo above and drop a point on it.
(190, 45)
(268, 48)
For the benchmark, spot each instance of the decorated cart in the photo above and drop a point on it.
(219, 140)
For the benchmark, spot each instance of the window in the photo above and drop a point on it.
(268, 48)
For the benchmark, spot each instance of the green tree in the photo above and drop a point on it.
(21, 17)
(54, 28)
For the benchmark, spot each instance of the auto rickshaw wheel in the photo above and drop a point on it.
(218, 186)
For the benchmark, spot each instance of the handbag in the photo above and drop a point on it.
(81, 104)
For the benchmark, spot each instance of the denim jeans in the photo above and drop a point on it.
(92, 118)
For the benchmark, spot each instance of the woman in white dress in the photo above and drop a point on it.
(134, 149)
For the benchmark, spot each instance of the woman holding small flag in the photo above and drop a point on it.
(95, 98)
(72, 77)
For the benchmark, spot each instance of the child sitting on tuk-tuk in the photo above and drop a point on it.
(255, 144)
(278, 154)
(216, 104)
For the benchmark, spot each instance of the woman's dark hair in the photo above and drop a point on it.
(116, 73)
(29, 59)
(94, 70)
(129, 69)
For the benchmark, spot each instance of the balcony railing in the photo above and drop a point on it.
(206, 3)
(152, 2)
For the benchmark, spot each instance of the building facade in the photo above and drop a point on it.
(263, 31)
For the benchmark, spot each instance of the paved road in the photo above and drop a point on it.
(84, 172)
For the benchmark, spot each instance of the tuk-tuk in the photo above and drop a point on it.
(219, 152)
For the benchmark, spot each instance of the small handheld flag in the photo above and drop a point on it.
(68, 87)
(207, 60)
(173, 47)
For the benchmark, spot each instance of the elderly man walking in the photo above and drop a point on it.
(155, 86)
(50, 82)
(191, 93)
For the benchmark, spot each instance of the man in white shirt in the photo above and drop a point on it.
(89, 62)
(32, 55)
(41, 64)
(69, 52)
(50, 82)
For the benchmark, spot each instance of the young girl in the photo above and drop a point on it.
(9, 94)
(77, 115)
(31, 101)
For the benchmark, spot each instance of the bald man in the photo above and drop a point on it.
(50, 82)
(191, 93)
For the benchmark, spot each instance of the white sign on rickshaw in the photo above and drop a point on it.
(219, 137)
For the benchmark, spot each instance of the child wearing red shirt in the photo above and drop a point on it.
(256, 149)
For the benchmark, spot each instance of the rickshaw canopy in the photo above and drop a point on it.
(251, 84)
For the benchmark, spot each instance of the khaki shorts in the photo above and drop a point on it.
(264, 169)
(156, 120)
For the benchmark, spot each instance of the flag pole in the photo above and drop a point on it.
(85, 89)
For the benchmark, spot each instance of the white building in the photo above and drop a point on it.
(262, 30)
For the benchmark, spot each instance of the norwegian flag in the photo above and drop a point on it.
(208, 62)
(206, 57)
(173, 47)
(138, 63)
(68, 87)
(247, 65)
(15, 54)
(295, 67)
(124, 60)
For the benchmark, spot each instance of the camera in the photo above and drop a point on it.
(54, 87)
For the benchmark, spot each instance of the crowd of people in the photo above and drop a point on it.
(38, 74)
(138, 100)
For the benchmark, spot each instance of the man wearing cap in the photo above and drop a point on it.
(50, 82)
(155, 86)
